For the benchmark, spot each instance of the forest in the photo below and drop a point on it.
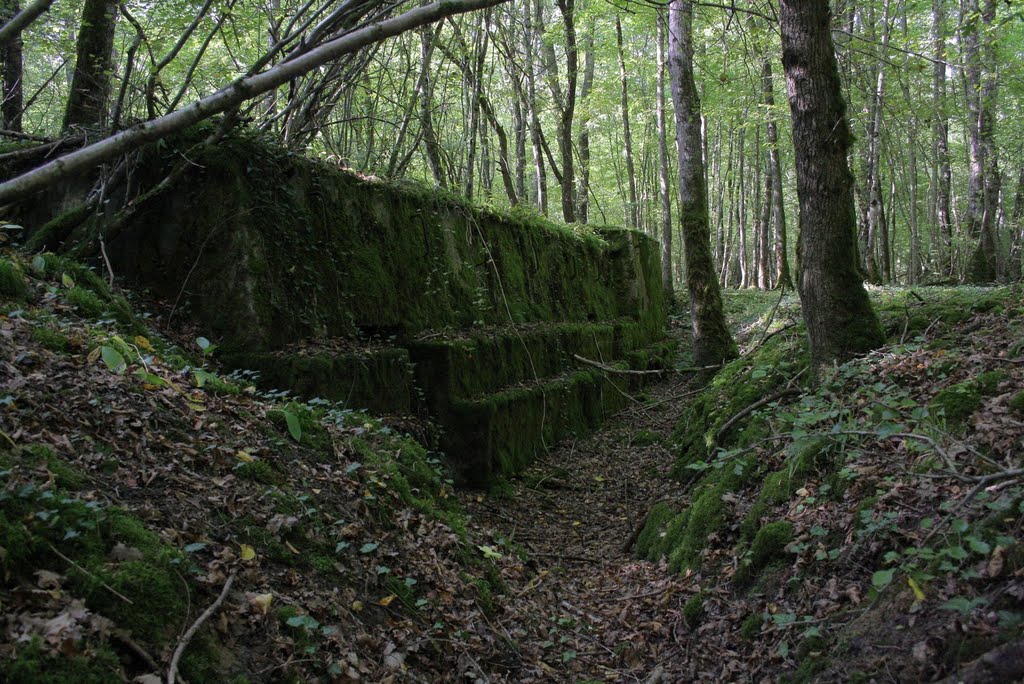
(511, 340)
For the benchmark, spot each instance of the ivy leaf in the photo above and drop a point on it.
(368, 547)
(67, 281)
(39, 264)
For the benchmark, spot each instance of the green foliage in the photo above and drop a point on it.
(1017, 403)
(12, 282)
(50, 338)
(693, 610)
(86, 301)
(956, 404)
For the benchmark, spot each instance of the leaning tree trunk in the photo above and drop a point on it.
(712, 342)
(1013, 271)
(840, 320)
(90, 85)
(11, 53)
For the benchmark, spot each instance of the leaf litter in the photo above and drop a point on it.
(341, 576)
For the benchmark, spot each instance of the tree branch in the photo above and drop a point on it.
(231, 96)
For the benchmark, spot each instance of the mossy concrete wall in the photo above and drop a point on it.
(398, 299)
(268, 249)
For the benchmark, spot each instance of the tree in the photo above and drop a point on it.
(664, 191)
(90, 85)
(712, 342)
(231, 96)
(840, 320)
(11, 54)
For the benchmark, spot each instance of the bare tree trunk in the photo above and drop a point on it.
(712, 342)
(11, 53)
(664, 190)
(90, 86)
(1013, 270)
(632, 219)
(539, 170)
(430, 144)
(941, 170)
(982, 83)
(742, 211)
(783, 279)
(839, 316)
(583, 188)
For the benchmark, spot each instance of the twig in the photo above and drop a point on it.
(771, 317)
(78, 567)
(753, 407)
(172, 671)
(106, 262)
(610, 369)
(136, 649)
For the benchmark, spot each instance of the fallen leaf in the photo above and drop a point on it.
(248, 553)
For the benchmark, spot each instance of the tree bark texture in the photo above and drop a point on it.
(90, 85)
(712, 342)
(840, 320)
(11, 54)
(664, 181)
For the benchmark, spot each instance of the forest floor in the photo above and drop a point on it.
(140, 490)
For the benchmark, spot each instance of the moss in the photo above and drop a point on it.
(705, 515)
(313, 434)
(769, 545)
(956, 404)
(86, 301)
(653, 530)
(258, 471)
(33, 665)
(50, 338)
(12, 282)
(693, 610)
(1017, 403)
(737, 386)
(644, 438)
(813, 457)
(987, 383)
(751, 627)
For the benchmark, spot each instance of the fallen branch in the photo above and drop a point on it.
(1002, 664)
(611, 369)
(172, 671)
(789, 391)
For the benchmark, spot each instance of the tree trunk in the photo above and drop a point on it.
(982, 87)
(712, 342)
(632, 219)
(430, 144)
(941, 170)
(840, 320)
(11, 53)
(539, 170)
(664, 190)
(783, 277)
(583, 187)
(90, 85)
(1013, 270)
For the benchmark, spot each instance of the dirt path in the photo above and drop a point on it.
(584, 608)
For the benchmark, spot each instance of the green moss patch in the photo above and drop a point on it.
(12, 282)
